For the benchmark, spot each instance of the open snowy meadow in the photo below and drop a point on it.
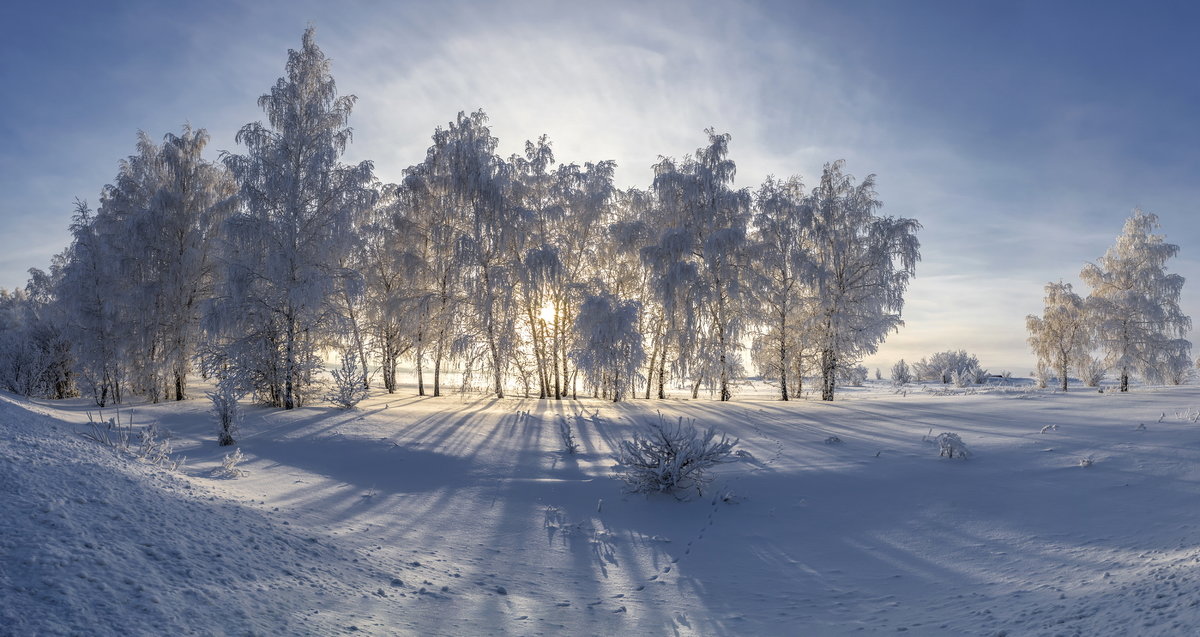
(1074, 514)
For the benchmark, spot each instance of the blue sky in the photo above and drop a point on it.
(1020, 134)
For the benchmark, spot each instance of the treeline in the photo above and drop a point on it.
(515, 273)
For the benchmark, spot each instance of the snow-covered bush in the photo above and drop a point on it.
(349, 389)
(671, 457)
(941, 366)
(229, 465)
(901, 374)
(951, 446)
(964, 378)
(567, 436)
(143, 444)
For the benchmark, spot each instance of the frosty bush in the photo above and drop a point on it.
(942, 366)
(951, 446)
(671, 458)
(348, 386)
(901, 375)
(229, 465)
(143, 444)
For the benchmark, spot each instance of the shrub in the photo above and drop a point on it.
(229, 465)
(942, 366)
(143, 444)
(901, 375)
(671, 458)
(951, 446)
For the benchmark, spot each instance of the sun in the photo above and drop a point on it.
(547, 312)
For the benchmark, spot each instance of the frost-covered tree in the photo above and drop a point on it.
(586, 195)
(1135, 302)
(1062, 337)
(901, 374)
(426, 224)
(609, 349)
(479, 191)
(34, 353)
(160, 218)
(781, 262)
(277, 303)
(698, 260)
(629, 276)
(388, 319)
(92, 320)
(862, 265)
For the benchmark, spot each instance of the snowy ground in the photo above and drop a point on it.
(452, 516)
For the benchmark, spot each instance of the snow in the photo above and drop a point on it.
(453, 515)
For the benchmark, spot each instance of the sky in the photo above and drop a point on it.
(1020, 134)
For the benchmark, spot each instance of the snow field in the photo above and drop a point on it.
(454, 516)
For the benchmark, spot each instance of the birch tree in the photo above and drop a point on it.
(1139, 323)
(862, 265)
(782, 265)
(299, 203)
(1062, 337)
(699, 257)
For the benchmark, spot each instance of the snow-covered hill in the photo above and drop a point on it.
(463, 517)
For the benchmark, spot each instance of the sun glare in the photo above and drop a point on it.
(547, 312)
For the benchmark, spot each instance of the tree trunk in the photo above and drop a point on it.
(828, 374)
(783, 386)
(421, 363)
(559, 390)
(662, 375)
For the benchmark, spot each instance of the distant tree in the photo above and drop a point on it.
(901, 374)
(1138, 322)
(862, 265)
(1062, 337)
(278, 300)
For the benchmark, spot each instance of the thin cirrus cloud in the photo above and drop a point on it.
(1013, 133)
